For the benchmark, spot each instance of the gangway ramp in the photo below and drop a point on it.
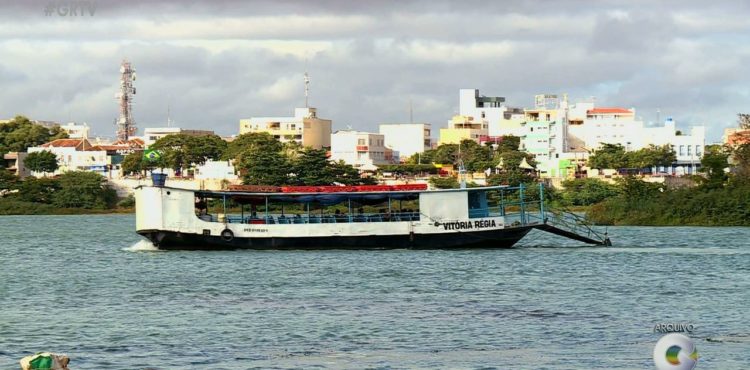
(572, 226)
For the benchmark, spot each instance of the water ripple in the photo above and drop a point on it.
(98, 293)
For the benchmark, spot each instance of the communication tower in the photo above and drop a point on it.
(125, 123)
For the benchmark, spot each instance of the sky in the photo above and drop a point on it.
(211, 63)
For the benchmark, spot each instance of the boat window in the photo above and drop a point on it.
(478, 204)
(307, 208)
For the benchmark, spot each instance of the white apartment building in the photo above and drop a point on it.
(76, 131)
(561, 135)
(363, 150)
(688, 148)
(407, 139)
(543, 135)
(488, 110)
(216, 170)
(152, 134)
(74, 155)
(596, 125)
(305, 128)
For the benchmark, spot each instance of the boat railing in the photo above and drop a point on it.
(574, 223)
(283, 219)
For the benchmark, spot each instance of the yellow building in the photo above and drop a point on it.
(305, 128)
(462, 128)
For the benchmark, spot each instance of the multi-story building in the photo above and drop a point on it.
(305, 128)
(593, 126)
(152, 134)
(491, 110)
(75, 155)
(407, 139)
(14, 163)
(462, 128)
(363, 150)
(688, 148)
(544, 135)
(561, 136)
(76, 131)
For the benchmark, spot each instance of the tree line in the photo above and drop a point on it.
(616, 157)
(71, 190)
(259, 157)
(20, 133)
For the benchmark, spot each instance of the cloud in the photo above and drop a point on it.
(215, 62)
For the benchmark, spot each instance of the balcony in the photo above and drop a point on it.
(362, 148)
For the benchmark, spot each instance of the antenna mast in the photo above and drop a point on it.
(411, 112)
(307, 88)
(125, 123)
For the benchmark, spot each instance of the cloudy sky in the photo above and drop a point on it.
(215, 62)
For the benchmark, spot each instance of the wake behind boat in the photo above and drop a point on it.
(337, 217)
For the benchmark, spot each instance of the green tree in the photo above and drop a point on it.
(38, 190)
(83, 189)
(252, 142)
(8, 180)
(608, 156)
(651, 156)
(259, 167)
(636, 190)
(508, 143)
(200, 149)
(345, 174)
(444, 182)
(713, 163)
(311, 167)
(741, 161)
(132, 163)
(20, 133)
(584, 192)
(181, 151)
(43, 161)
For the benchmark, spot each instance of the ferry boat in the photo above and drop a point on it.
(349, 217)
(336, 217)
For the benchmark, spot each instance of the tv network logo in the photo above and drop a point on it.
(675, 352)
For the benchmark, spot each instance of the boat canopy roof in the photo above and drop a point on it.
(330, 198)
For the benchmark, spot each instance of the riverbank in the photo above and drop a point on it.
(13, 207)
(643, 204)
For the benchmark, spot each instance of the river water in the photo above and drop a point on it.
(86, 286)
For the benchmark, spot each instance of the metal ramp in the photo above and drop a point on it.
(572, 226)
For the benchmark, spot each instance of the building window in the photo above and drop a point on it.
(689, 151)
(361, 142)
(682, 150)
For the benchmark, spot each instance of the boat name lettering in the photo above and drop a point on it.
(465, 225)
(256, 230)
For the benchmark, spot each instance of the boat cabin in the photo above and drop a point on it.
(359, 204)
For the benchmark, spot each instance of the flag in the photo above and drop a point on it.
(151, 155)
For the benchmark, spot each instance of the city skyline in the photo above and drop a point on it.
(215, 63)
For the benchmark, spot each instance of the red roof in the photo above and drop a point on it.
(608, 111)
(68, 143)
(133, 142)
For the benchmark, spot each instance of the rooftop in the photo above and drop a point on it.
(609, 111)
(79, 144)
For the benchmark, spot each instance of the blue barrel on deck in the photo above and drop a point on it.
(159, 179)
